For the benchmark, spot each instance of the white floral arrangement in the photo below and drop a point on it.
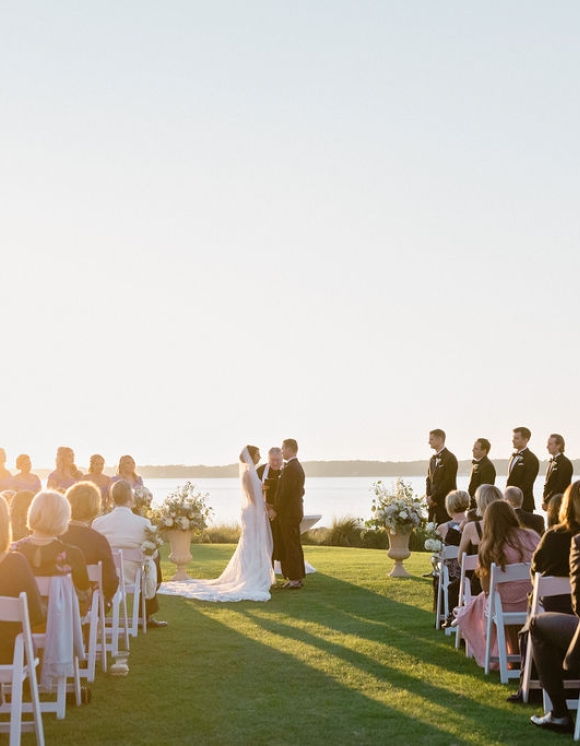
(185, 509)
(396, 508)
(153, 540)
(142, 499)
(432, 542)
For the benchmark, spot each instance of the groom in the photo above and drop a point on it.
(288, 509)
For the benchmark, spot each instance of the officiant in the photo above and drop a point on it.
(269, 475)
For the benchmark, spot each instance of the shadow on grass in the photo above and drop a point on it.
(337, 661)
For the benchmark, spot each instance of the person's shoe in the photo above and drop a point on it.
(549, 722)
(430, 574)
(517, 698)
(154, 623)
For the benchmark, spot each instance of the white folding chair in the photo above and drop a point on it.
(63, 638)
(117, 624)
(95, 620)
(13, 675)
(446, 554)
(544, 585)
(468, 564)
(136, 588)
(500, 619)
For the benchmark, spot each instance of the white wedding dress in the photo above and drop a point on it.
(249, 574)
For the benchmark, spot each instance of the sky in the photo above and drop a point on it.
(343, 222)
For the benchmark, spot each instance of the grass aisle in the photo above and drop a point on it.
(353, 658)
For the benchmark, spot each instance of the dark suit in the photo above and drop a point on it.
(289, 508)
(556, 638)
(531, 520)
(522, 474)
(441, 479)
(482, 472)
(558, 477)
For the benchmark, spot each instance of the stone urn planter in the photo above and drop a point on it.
(180, 542)
(399, 551)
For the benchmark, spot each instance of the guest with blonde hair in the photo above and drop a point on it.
(25, 479)
(66, 473)
(85, 502)
(15, 577)
(48, 518)
(19, 512)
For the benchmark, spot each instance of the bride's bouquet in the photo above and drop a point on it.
(184, 509)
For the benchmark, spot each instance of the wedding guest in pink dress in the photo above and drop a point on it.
(504, 542)
(66, 473)
(97, 476)
(24, 479)
(5, 475)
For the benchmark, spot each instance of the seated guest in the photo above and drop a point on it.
(504, 542)
(48, 518)
(556, 650)
(553, 509)
(124, 529)
(98, 477)
(515, 498)
(15, 577)
(85, 502)
(5, 475)
(552, 557)
(24, 479)
(66, 473)
(18, 513)
(472, 530)
(456, 504)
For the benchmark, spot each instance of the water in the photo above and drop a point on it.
(332, 497)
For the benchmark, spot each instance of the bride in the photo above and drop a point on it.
(249, 574)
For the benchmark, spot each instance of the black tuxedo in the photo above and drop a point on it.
(558, 477)
(441, 479)
(482, 472)
(522, 474)
(531, 520)
(289, 508)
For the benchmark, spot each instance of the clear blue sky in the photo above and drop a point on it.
(343, 222)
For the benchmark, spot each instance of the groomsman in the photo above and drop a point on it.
(559, 471)
(523, 467)
(482, 469)
(441, 477)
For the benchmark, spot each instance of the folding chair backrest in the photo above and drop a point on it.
(547, 585)
(23, 667)
(519, 571)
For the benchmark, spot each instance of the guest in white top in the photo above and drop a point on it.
(124, 529)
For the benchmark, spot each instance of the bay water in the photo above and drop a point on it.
(331, 497)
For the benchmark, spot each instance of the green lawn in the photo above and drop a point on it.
(353, 658)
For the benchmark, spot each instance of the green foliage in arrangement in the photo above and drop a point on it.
(352, 658)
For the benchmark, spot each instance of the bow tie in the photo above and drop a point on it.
(475, 461)
(554, 458)
(515, 454)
